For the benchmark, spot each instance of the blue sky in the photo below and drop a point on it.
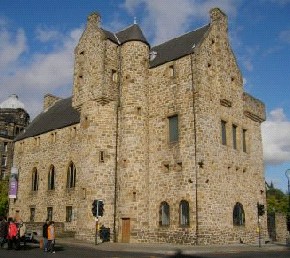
(37, 40)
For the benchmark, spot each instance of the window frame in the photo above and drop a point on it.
(238, 215)
(173, 128)
(184, 213)
(68, 213)
(35, 180)
(164, 214)
(234, 131)
(71, 176)
(223, 132)
(51, 178)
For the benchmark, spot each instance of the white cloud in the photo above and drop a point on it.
(166, 19)
(41, 73)
(12, 45)
(45, 35)
(276, 138)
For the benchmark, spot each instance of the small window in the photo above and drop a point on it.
(184, 213)
(51, 178)
(71, 176)
(234, 128)
(114, 76)
(171, 71)
(244, 139)
(32, 215)
(224, 132)
(102, 156)
(49, 213)
(5, 146)
(69, 214)
(238, 215)
(164, 216)
(4, 161)
(34, 180)
(173, 128)
(37, 141)
(73, 132)
(53, 137)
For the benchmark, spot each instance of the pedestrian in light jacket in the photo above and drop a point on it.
(51, 237)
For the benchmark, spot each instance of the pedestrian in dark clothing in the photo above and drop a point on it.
(3, 231)
(44, 234)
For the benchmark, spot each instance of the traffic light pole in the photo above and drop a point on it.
(97, 229)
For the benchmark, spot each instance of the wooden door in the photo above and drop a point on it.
(126, 230)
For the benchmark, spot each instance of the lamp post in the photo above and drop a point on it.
(287, 173)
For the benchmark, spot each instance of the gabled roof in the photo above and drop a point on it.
(61, 115)
(177, 47)
(166, 52)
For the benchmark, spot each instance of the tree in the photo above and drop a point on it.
(277, 201)
(3, 197)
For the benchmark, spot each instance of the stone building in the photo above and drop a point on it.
(164, 135)
(13, 119)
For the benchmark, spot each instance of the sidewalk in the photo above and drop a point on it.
(170, 249)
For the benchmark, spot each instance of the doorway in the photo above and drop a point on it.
(126, 231)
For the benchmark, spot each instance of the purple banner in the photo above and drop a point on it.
(13, 183)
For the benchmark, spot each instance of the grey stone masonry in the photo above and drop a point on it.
(173, 148)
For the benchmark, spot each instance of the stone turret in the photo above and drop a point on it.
(133, 171)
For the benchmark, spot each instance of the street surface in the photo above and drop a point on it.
(71, 251)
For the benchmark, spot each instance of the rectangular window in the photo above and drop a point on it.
(224, 132)
(49, 213)
(4, 161)
(234, 137)
(102, 156)
(5, 147)
(244, 140)
(173, 128)
(32, 214)
(68, 217)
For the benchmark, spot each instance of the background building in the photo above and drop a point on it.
(13, 119)
(164, 135)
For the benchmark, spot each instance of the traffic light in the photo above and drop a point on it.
(261, 209)
(95, 208)
(100, 208)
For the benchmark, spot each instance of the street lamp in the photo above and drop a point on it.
(287, 173)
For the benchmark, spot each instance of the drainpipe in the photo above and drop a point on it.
(195, 148)
(117, 140)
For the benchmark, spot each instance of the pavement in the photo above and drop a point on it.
(170, 249)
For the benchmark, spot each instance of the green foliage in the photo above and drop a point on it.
(277, 201)
(3, 197)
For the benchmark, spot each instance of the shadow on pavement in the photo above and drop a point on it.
(179, 254)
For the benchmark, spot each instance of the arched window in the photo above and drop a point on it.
(238, 215)
(184, 213)
(71, 176)
(164, 216)
(51, 177)
(34, 180)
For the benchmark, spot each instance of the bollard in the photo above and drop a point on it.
(41, 243)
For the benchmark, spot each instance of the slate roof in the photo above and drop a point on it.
(60, 115)
(177, 47)
(165, 52)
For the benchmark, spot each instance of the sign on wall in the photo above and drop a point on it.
(13, 183)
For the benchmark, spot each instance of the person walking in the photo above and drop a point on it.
(44, 235)
(51, 237)
(12, 236)
(3, 231)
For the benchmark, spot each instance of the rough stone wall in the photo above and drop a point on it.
(202, 89)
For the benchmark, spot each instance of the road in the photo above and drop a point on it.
(66, 251)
